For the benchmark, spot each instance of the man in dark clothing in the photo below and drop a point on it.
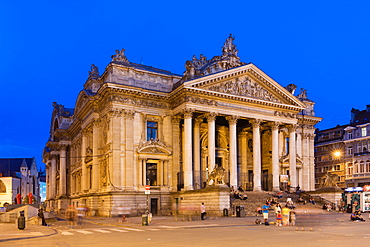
(42, 217)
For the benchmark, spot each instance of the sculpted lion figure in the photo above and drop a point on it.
(217, 176)
(330, 180)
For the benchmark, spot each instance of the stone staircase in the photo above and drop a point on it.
(257, 199)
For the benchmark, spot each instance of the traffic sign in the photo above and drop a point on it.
(147, 189)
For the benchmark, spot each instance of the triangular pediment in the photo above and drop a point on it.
(247, 82)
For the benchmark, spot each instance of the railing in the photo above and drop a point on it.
(322, 201)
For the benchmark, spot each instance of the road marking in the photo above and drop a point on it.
(133, 229)
(99, 230)
(66, 233)
(170, 227)
(117, 230)
(84, 232)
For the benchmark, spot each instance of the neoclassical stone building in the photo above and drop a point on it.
(135, 125)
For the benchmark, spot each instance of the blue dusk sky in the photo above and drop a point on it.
(47, 48)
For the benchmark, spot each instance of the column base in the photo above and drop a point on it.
(189, 187)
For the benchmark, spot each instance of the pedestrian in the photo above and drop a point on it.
(277, 208)
(70, 215)
(292, 218)
(265, 212)
(279, 218)
(203, 211)
(285, 211)
(80, 215)
(42, 217)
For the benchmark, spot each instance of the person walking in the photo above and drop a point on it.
(202, 211)
(42, 217)
(265, 212)
(285, 212)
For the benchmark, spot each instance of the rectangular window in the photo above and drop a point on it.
(350, 135)
(363, 131)
(350, 150)
(151, 174)
(151, 130)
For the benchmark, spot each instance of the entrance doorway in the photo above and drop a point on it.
(154, 206)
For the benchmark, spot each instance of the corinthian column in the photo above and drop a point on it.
(233, 148)
(275, 155)
(197, 173)
(188, 154)
(256, 154)
(63, 171)
(292, 156)
(211, 118)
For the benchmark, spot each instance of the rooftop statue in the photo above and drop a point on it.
(94, 71)
(120, 56)
(302, 94)
(200, 67)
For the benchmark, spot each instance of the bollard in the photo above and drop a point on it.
(21, 221)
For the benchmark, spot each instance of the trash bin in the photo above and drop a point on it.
(226, 212)
(144, 219)
(238, 211)
(21, 221)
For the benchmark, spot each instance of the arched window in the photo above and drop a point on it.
(2, 187)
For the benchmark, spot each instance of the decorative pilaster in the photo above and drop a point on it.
(53, 176)
(83, 157)
(275, 155)
(115, 138)
(312, 162)
(175, 121)
(95, 160)
(211, 119)
(256, 123)
(233, 150)
(63, 171)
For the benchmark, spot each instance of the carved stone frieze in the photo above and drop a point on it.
(198, 100)
(285, 114)
(244, 87)
(140, 102)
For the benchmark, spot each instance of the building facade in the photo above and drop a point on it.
(135, 125)
(344, 151)
(18, 176)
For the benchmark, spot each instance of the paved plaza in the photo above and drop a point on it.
(333, 229)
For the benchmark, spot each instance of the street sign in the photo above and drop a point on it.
(147, 189)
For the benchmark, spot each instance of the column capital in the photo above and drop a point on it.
(274, 125)
(292, 127)
(175, 119)
(188, 113)
(63, 147)
(129, 114)
(232, 119)
(255, 122)
(114, 112)
(85, 132)
(211, 116)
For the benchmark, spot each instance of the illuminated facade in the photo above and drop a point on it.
(135, 125)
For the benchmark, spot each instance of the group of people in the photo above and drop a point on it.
(357, 216)
(284, 216)
(72, 213)
(238, 193)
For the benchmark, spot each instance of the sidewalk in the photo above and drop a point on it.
(10, 231)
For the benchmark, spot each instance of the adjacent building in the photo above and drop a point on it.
(344, 151)
(18, 176)
(222, 122)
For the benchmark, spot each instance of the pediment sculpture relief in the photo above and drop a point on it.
(244, 87)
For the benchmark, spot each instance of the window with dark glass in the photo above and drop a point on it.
(151, 174)
(151, 130)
